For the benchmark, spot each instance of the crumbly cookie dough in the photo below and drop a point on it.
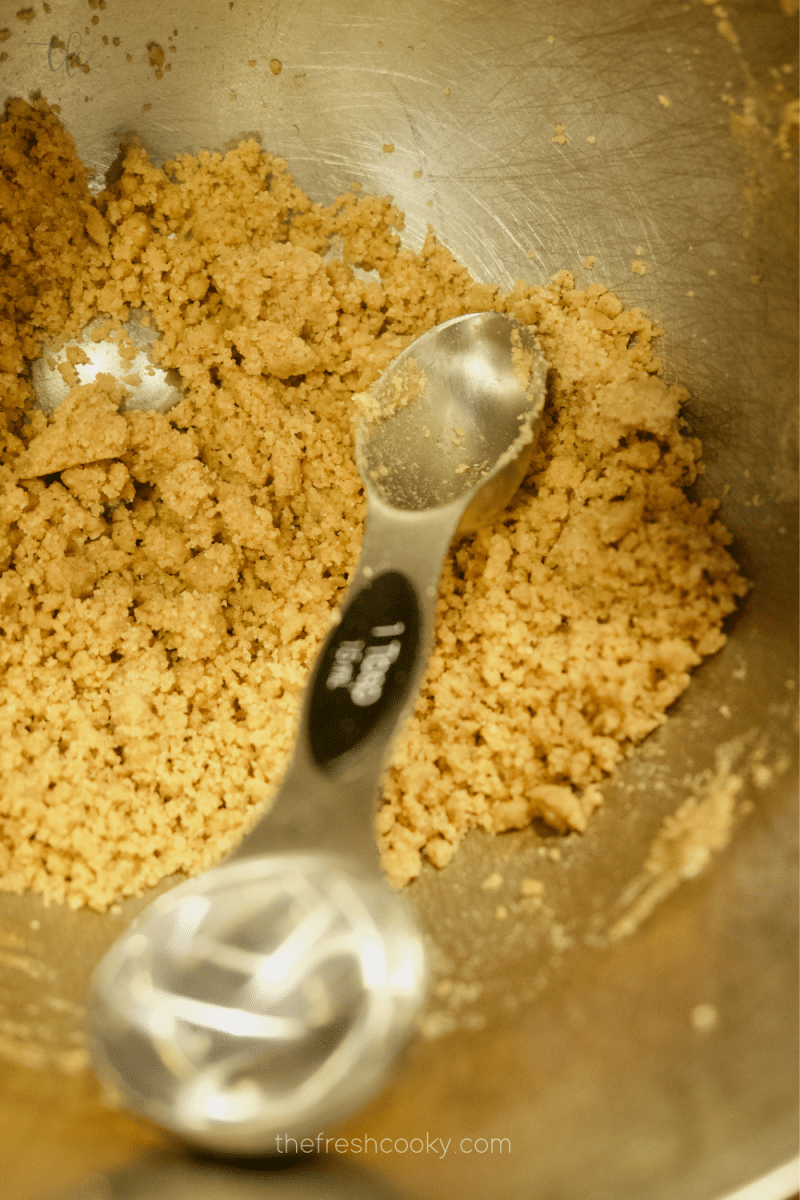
(166, 579)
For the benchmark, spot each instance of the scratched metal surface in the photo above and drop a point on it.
(582, 1054)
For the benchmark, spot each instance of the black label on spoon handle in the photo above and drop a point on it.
(366, 666)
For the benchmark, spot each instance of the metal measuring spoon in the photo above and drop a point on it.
(268, 997)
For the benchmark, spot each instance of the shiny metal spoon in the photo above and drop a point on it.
(269, 996)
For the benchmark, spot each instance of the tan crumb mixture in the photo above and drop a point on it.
(166, 580)
(156, 57)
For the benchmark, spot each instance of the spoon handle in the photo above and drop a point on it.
(363, 685)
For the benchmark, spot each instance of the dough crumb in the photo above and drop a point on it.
(492, 882)
(560, 138)
(704, 1017)
(388, 147)
(155, 56)
(276, 66)
(638, 267)
(664, 100)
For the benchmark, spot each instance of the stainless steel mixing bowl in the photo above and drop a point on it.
(558, 1063)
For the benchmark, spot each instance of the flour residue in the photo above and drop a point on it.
(685, 844)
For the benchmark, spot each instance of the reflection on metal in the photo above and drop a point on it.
(124, 354)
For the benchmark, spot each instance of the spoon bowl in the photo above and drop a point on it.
(457, 409)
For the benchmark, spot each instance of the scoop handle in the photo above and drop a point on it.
(364, 684)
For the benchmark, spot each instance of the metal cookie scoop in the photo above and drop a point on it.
(269, 996)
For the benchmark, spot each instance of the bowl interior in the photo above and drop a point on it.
(531, 136)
